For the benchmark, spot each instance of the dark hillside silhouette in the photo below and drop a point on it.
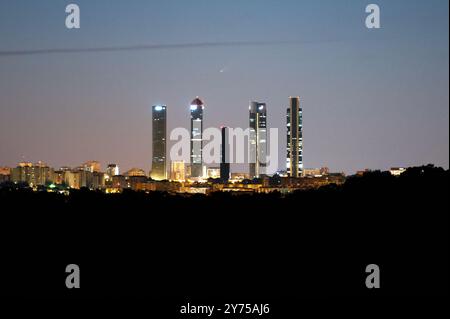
(308, 243)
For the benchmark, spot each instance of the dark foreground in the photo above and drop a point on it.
(223, 247)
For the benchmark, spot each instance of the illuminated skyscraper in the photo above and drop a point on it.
(294, 158)
(257, 139)
(197, 107)
(159, 162)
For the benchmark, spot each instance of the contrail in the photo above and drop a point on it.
(142, 47)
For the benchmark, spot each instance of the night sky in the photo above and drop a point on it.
(370, 98)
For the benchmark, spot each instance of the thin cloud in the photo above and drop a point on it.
(144, 47)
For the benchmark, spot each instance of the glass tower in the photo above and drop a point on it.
(197, 107)
(257, 139)
(159, 161)
(294, 158)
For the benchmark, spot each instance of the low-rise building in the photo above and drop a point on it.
(213, 172)
(32, 174)
(5, 173)
(397, 171)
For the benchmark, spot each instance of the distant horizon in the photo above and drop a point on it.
(147, 172)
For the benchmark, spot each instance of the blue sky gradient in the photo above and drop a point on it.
(371, 98)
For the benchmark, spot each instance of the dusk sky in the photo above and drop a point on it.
(371, 98)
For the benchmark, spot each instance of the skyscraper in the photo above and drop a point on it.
(224, 156)
(294, 158)
(197, 107)
(159, 125)
(257, 139)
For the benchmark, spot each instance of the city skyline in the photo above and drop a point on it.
(256, 139)
(163, 161)
(183, 174)
(372, 98)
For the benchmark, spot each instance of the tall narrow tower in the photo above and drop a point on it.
(159, 159)
(294, 158)
(225, 155)
(197, 138)
(257, 139)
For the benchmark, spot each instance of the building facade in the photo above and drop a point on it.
(159, 130)
(213, 172)
(135, 172)
(92, 166)
(5, 174)
(112, 170)
(294, 123)
(32, 174)
(178, 171)
(197, 108)
(257, 139)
